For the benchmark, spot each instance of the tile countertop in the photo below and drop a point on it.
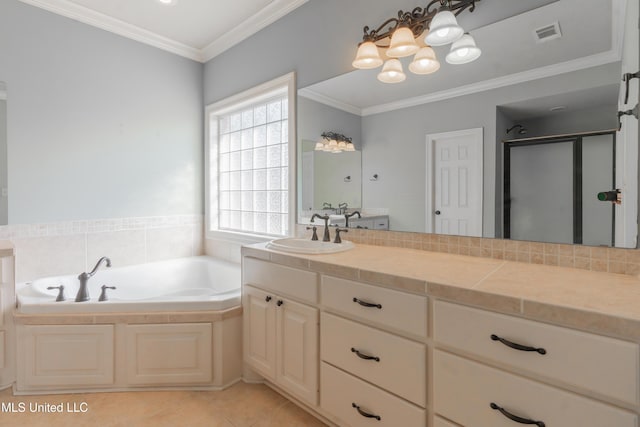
(6, 248)
(597, 302)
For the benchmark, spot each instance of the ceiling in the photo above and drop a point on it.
(510, 54)
(196, 29)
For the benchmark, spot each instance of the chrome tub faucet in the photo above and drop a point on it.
(83, 291)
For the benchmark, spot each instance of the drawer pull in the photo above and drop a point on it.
(364, 356)
(515, 417)
(367, 415)
(518, 346)
(279, 303)
(268, 298)
(367, 304)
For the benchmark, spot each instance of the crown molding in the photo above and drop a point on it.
(265, 17)
(116, 26)
(331, 102)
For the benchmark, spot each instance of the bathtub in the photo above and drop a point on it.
(186, 284)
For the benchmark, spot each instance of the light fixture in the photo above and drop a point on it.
(392, 72)
(463, 50)
(518, 128)
(424, 62)
(333, 142)
(403, 36)
(168, 2)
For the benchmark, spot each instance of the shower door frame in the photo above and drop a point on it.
(576, 140)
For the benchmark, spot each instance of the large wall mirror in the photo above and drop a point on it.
(4, 206)
(546, 113)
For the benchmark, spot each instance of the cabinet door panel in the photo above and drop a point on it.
(464, 391)
(260, 331)
(297, 348)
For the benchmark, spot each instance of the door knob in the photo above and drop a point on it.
(437, 212)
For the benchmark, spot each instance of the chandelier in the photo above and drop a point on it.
(333, 142)
(413, 33)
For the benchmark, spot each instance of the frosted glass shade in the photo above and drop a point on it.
(319, 146)
(402, 43)
(392, 72)
(444, 29)
(367, 56)
(350, 147)
(425, 62)
(463, 51)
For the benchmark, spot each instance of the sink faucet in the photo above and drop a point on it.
(342, 208)
(347, 216)
(83, 292)
(325, 237)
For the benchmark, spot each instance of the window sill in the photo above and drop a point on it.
(238, 238)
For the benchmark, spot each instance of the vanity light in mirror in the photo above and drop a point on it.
(334, 142)
(444, 28)
(463, 51)
(392, 72)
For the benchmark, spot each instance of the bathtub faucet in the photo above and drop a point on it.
(83, 292)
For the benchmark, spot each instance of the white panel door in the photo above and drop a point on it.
(260, 331)
(297, 348)
(454, 183)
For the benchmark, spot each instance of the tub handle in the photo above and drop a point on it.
(103, 294)
(60, 296)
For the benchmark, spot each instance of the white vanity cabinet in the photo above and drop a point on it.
(280, 329)
(7, 330)
(373, 354)
(482, 358)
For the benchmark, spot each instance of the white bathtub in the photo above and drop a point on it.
(186, 284)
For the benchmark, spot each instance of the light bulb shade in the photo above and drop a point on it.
(350, 147)
(402, 43)
(333, 144)
(425, 62)
(463, 51)
(444, 29)
(319, 146)
(392, 72)
(367, 56)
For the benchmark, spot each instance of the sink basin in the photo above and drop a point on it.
(306, 246)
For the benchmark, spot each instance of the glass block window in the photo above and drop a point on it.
(253, 168)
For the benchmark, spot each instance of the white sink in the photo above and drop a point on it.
(306, 246)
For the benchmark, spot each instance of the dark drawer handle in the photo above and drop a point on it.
(367, 415)
(268, 298)
(364, 356)
(515, 417)
(515, 346)
(367, 304)
(279, 303)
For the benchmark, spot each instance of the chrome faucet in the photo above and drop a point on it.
(325, 237)
(347, 216)
(83, 292)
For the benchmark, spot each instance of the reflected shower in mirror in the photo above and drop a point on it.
(508, 96)
(4, 205)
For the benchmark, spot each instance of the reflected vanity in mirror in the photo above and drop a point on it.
(4, 205)
(559, 87)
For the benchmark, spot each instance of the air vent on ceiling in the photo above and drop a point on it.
(548, 32)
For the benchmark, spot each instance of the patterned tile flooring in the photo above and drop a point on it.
(242, 405)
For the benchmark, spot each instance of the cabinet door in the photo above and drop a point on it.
(297, 338)
(260, 331)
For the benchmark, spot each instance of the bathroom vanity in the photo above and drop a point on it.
(7, 292)
(399, 337)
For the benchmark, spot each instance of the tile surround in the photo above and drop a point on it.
(58, 248)
(609, 260)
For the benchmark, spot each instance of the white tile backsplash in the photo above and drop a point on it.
(72, 247)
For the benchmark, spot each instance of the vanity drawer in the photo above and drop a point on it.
(286, 281)
(441, 422)
(401, 364)
(339, 392)
(381, 223)
(398, 310)
(466, 389)
(604, 365)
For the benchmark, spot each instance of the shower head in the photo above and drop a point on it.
(520, 129)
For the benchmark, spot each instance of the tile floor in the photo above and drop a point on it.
(242, 405)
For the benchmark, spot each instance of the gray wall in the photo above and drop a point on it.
(585, 120)
(3, 158)
(100, 126)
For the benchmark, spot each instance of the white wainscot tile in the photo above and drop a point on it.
(171, 242)
(38, 257)
(122, 247)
